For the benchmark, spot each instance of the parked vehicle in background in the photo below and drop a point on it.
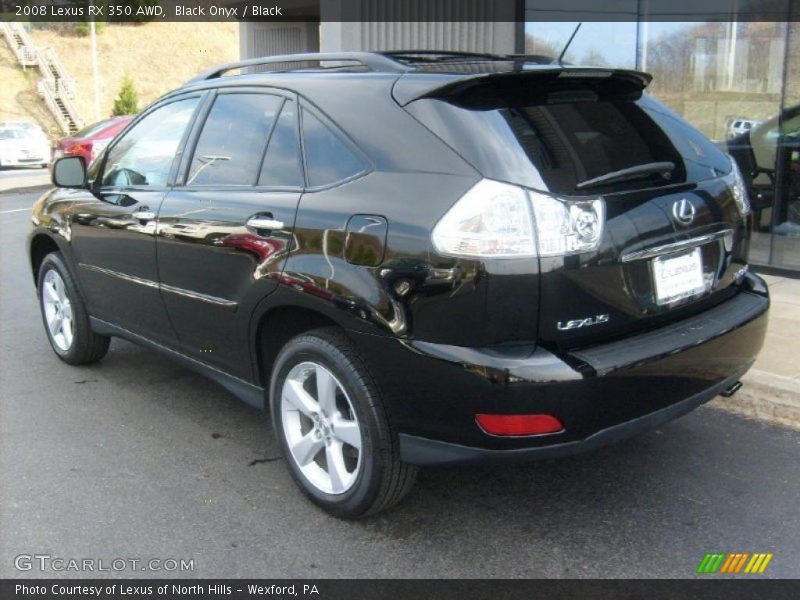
(412, 258)
(740, 126)
(22, 124)
(90, 141)
(23, 148)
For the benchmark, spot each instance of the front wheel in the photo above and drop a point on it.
(64, 314)
(330, 420)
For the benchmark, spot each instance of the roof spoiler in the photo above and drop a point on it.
(416, 85)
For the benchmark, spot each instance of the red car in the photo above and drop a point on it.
(90, 141)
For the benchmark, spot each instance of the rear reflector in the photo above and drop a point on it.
(518, 424)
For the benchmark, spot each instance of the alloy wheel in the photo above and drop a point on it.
(321, 428)
(58, 311)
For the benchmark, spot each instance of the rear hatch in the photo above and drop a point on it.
(673, 237)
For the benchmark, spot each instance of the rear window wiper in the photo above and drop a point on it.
(664, 168)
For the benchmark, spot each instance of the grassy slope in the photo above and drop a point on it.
(159, 57)
(18, 96)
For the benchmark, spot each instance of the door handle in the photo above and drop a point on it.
(143, 214)
(264, 223)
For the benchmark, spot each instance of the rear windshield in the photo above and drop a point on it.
(94, 128)
(553, 145)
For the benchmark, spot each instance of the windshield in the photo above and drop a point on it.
(557, 143)
(10, 134)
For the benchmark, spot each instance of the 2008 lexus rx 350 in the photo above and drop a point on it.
(412, 258)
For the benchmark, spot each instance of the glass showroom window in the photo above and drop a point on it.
(727, 80)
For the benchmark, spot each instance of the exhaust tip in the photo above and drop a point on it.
(732, 390)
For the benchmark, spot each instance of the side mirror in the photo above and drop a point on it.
(70, 172)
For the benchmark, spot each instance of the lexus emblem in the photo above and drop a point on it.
(683, 211)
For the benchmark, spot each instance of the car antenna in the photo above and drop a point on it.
(566, 46)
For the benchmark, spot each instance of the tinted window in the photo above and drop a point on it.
(144, 155)
(232, 142)
(328, 158)
(555, 143)
(282, 166)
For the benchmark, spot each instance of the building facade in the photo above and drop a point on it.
(736, 81)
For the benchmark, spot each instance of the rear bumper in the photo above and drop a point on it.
(601, 394)
(26, 161)
(427, 452)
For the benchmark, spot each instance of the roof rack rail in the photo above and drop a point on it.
(372, 60)
(424, 54)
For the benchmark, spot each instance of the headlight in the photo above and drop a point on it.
(500, 220)
(738, 188)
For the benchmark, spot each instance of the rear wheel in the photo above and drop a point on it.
(64, 314)
(333, 429)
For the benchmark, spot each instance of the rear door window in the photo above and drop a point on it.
(282, 166)
(233, 140)
(329, 158)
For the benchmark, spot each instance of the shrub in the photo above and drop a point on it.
(127, 103)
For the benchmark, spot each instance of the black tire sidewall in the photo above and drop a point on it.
(361, 496)
(80, 340)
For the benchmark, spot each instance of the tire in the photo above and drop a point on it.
(365, 475)
(64, 315)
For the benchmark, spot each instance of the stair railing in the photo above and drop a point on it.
(20, 43)
(65, 83)
(55, 85)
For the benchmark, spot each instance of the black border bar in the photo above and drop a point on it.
(710, 588)
(400, 10)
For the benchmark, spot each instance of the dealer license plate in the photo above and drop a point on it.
(678, 277)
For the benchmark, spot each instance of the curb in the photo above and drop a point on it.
(765, 396)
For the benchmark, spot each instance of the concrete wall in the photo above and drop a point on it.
(461, 36)
(490, 28)
(269, 39)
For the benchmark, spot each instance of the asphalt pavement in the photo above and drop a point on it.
(23, 177)
(138, 458)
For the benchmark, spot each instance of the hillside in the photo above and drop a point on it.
(158, 56)
(18, 96)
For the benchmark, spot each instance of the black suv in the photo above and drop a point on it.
(412, 258)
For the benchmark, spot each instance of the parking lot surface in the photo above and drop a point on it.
(23, 177)
(138, 458)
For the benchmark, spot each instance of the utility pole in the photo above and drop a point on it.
(732, 35)
(95, 73)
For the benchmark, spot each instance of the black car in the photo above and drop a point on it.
(412, 258)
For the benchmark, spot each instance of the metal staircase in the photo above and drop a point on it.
(55, 87)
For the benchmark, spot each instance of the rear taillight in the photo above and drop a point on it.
(516, 425)
(491, 219)
(500, 220)
(567, 226)
(738, 188)
(83, 149)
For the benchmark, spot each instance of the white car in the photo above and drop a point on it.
(23, 147)
(21, 124)
(737, 127)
